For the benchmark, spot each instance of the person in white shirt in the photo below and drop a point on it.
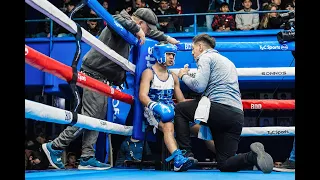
(247, 21)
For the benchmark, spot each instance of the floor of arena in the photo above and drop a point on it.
(147, 174)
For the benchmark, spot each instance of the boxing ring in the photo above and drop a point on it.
(41, 112)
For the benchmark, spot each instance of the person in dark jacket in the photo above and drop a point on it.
(35, 159)
(142, 22)
(271, 20)
(131, 150)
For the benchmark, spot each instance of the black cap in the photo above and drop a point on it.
(148, 16)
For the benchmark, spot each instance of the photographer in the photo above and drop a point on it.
(288, 34)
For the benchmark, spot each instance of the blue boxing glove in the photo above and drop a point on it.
(166, 112)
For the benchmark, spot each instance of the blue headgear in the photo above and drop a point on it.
(159, 51)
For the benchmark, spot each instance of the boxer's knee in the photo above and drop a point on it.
(168, 127)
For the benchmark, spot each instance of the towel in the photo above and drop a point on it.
(202, 115)
(202, 111)
(204, 133)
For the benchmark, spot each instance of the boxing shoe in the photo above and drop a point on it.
(181, 163)
(91, 163)
(54, 156)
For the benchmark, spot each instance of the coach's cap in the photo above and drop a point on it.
(148, 16)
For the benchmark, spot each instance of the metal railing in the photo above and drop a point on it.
(195, 15)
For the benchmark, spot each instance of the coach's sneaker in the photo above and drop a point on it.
(181, 163)
(92, 164)
(262, 160)
(54, 156)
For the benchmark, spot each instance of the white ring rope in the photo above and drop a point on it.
(277, 71)
(58, 16)
(42, 112)
(268, 131)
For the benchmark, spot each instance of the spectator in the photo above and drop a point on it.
(71, 161)
(63, 8)
(92, 26)
(211, 9)
(277, 2)
(264, 3)
(271, 20)
(130, 150)
(105, 5)
(177, 21)
(61, 31)
(41, 138)
(92, 12)
(154, 4)
(128, 8)
(290, 164)
(140, 4)
(223, 22)
(289, 6)
(247, 21)
(166, 23)
(34, 156)
(43, 29)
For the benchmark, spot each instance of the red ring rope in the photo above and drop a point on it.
(49, 65)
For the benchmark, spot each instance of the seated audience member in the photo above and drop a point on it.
(166, 23)
(140, 4)
(105, 5)
(92, 26)
(35, 158)
(63, 6)
(128, 8)
(277, 2)
(130, 150)
(271, 20)
(223, 22)
(61, 31)
(289, 6)
(290, 164)
(174, 5)
(71, 161)
(247, 21)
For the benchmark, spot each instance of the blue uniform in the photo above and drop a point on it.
(160, 91)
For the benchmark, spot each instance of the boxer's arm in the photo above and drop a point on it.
(146, 78)
(200, 81)
(177, 91)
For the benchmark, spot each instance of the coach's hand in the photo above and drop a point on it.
(141, 36)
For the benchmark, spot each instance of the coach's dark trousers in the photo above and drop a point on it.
(225, 123)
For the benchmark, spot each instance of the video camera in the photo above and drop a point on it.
(288, 34)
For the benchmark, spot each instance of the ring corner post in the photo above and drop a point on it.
(142, 62)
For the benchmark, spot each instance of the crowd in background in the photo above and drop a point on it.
(221, 22)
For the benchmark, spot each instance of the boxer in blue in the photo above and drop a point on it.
(157, 87)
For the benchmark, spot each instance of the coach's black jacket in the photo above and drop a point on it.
(96, 63)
